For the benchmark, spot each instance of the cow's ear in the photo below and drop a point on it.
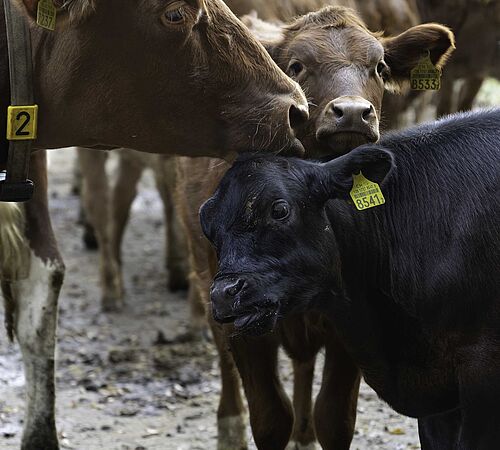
(403, 52)
(68, 11)
(270, 35)
(334, 178)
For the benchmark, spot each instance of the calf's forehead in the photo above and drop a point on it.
(340, 45)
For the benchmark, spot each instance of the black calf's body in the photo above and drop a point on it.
(412, 286)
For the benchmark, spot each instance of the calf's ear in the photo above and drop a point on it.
(334, 179)
(403, 52)
(68, 11)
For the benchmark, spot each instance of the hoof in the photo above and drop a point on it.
(232, 433)
(40, 440)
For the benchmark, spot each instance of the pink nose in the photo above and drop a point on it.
(352, 114)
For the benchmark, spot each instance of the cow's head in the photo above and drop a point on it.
(160, 75)
(344, 69)
(276, 248)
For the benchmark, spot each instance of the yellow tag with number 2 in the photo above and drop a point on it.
(365, 193)
(22, 122)
(46, 14)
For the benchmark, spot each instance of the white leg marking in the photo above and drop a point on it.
(232, 433)
(293, 445)
(35, 325)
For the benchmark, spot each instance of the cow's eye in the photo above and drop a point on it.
(382, 70)
(280, 210)
(294, 68)
(175, 14)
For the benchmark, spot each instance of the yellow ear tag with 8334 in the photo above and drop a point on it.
(365, 193)
(425, 76)
(46, 14)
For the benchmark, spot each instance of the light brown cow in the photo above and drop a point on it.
(331, 54)
(106, 77)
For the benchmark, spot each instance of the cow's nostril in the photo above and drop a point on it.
(297, 115)
(368, 112)
(337, 111)
(232, 289)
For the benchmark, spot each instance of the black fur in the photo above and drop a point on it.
(412, 286)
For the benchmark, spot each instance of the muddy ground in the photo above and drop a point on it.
(116, 388)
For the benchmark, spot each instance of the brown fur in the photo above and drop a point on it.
(223, 85)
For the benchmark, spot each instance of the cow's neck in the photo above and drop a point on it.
(394, 352)
(4, 89)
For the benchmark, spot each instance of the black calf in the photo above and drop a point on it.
(412, 286)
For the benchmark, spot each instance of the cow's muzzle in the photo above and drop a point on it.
(348, 122)
(233, 302)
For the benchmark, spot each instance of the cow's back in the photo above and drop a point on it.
(443, 202)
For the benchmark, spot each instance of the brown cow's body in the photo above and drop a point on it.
(105, 77)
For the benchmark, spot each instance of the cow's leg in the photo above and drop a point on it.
(95, 198)
(34, 300)
(468, 93)
(123, 193)
(303, 436)
(335, 408)
(302, 338)
(478, 375)
(231, 423)
(271, 414)
(441, 431)
(175, 241)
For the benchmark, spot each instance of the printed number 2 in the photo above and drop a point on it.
(20, 131)
(22, 122)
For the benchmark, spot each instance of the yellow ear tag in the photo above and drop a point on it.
(46, 14)
(425, 76)
(365, 193)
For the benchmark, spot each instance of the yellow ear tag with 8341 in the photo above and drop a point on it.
(46, 14)
(425, 76)
(365, 193)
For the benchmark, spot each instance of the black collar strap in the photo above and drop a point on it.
(22, 115)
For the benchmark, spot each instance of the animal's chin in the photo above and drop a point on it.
(256, 323)
(340, 143)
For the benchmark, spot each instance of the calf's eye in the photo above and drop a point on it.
(280, 210)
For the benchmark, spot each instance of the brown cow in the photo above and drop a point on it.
(331, 54)
(105, 77)
(94, 90)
